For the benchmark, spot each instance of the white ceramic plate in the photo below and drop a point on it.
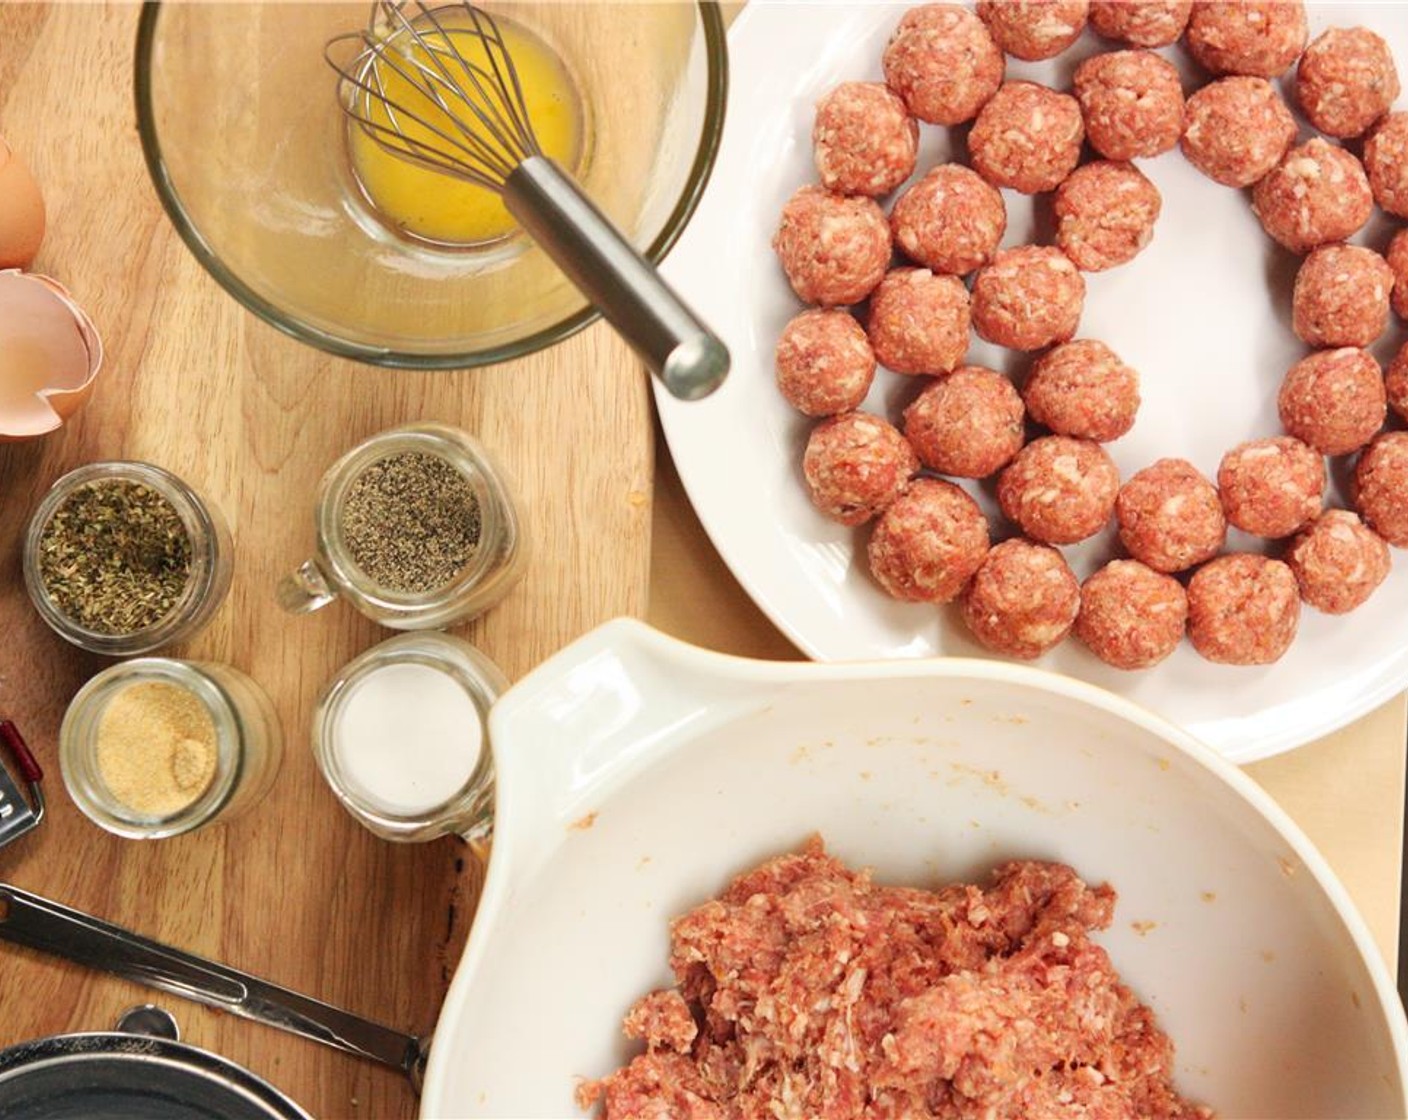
(636, 775)
(1203, 314)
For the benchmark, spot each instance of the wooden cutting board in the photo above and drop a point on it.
(295, 891)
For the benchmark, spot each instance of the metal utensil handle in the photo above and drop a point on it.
(29, 920)
(687, 357)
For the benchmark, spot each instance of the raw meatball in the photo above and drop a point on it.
(1023, 600)
(1105, 213)
(1381, 487)
(1027, 137)
(1333, 400)
(1132, 102)
(1082, 389)
(1141, 23)
(968, 424)
(1258, 37)
(1243, 609)
(943, 62)
(1170, 516)
(1341, 296)
(929, 543)
(1386, 161)
(1338, 562)
(1059, 490)
(1236, 130)
(1271, 487)
(918, 322)
(856, 464)
(824, 363)
(1397, 259)
(1027, 298)
(1395, 383)
(864, 140)
(950, 220)
(1131, 616)
(1316, 194)
(834, 249)
(1034, 29)
(1346, 81)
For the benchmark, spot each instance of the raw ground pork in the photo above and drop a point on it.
(806, 991)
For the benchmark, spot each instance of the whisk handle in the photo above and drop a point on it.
(688, 358)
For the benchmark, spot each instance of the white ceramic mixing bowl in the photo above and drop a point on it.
(637, 774)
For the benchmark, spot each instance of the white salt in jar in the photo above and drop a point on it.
(400, 737)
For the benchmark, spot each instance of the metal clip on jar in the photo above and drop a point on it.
(208, 555)
(246, 747)
(400, 735)
(488, 571)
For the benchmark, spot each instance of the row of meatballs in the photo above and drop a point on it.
(931, 543)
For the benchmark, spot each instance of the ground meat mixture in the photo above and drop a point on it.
(1346, 81)
(1236, 130)
(918, 322)
(1341, 296)
(1131, 616)
(834, 249)
(1023, 601)
(943, 62)
(1170, 516)
(1027, 137)
(1132, 102)
(864, 140)
(950, 221)
(1271, 487)
(855, 465)
(1338, 562)
(816, 993)
(1257, 37)
(824, 362)
(1397, 259)
(1141, 23)
(1386, 161)
(1243, 609)
(1059, 490)
(1381, 487)
(1082, 389)
(928, 544)
(1334, 400)
(1318, 193)
(1029, 297)
(1034, 29)
(1396, 382)
(1105, 214)
(968, 424)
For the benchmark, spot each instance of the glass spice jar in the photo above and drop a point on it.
(111, 756)
(416, 527)
(401, 736)
(116, 624)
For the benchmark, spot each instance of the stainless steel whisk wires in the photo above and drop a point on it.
(477, 128)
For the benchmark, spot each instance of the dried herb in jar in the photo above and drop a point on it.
(411, 522)
(115, 557)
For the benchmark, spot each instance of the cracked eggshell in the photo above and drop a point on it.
(21, 211)
(50, 355)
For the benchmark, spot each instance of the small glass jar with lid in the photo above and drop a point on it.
(417, 527)
(156, 747)
(121, 558)
(401, 737)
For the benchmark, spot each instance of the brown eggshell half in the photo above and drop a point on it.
(50, 354)
(21, 211)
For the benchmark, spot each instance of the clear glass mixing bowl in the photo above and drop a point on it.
(245, 141)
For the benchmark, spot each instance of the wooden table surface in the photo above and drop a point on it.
(296, 891)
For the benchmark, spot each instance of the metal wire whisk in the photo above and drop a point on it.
(479, 130)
